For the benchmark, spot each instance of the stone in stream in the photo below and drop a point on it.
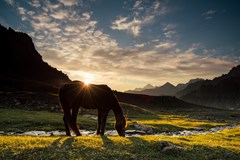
(198, 129)
(34, 133)
(134, 133)
(144, 128)
(56, 133)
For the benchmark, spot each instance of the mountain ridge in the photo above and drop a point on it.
(147, 86)
(221, 92)
(22, 67)
(167, 89)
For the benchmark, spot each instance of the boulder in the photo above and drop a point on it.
(146, 129)
(168, 147)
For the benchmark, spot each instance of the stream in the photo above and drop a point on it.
(129, 133)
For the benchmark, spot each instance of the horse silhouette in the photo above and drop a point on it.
(76, 94)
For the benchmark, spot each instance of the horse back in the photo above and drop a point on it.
(89, 96)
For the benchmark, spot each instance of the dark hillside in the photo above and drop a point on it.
(22, 67)
(160, 102)
(221, 92)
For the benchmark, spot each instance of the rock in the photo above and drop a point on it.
(198, 129)
(18, 131)
(87, 133)
(10, 133)
(34, 133)
(111, 133)
(165, 147)
(134, 132)
(56, 133)
(144, 128)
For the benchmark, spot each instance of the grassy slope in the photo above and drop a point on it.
(16, 119)
(223, 145)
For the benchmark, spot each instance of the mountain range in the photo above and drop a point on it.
(167, 89)
(148, 86)
(22, 67)
(221, 92)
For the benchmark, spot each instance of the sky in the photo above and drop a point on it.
(127, 44)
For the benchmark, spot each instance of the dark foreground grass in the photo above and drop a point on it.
(224, 145)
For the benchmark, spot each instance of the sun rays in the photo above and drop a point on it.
(88, 78)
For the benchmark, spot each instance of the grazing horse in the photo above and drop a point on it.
(76, 94)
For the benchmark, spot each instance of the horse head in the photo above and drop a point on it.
(120, 127)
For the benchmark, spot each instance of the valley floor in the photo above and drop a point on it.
(222, 144)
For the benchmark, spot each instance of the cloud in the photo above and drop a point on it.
(123, 23)
(139, 45)
(169, 26)
(75, 45)
(60, 14)
(156, 5)
(137, 4)
(68, 3)
(209, 14)
(169, 30)
(35, 3)
(165, 45)
(21, 10)
(170, 34)
(140, 17)
(10, 2)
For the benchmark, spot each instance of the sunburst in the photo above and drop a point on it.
(88, 78)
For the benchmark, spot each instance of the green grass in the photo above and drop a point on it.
(175, 121)
(24, 120)
(16, 119)
(220, 146)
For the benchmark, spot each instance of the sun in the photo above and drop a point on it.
(88, 78)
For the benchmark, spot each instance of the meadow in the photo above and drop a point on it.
(221, 145)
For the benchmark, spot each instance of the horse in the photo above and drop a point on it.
(77, 94)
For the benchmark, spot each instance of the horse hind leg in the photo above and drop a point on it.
(66, 126)
(74, 121)
(66, 117)
(99, 123)
(103, 124)
(68, 121)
